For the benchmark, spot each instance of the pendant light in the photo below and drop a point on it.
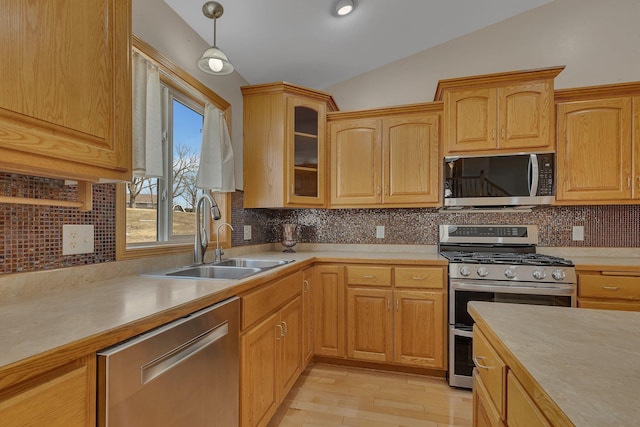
(213, 60)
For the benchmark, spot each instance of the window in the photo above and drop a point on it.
(157, 215)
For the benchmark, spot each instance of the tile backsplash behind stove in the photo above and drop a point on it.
(31, 236)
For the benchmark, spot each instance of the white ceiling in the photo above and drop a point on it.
(303, 42)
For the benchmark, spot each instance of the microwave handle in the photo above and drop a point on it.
(533, 173)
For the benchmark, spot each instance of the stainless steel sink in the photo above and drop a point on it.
(214, 272)
(252, 263)
(229, 269)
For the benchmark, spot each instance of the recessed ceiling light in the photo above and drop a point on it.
(344, 7)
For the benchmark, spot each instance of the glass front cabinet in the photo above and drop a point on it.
(285, 146)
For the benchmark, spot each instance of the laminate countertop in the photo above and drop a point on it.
(68, 321)
(587, 361)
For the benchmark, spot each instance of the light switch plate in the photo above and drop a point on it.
(380, 232)
(247, 232)
(578, 232)
(77, 239)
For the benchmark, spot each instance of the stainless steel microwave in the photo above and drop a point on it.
(500, 180)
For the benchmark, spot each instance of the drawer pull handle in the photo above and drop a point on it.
(418, 278)
(610, 288)
(368, 277)
(477, 359)
(281, 334)
(388, 304)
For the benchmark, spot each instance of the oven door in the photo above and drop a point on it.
(462, 291)
(460, 357)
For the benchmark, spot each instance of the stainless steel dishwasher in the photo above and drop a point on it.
(184, 373)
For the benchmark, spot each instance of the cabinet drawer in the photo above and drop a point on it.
(614, 287)
(491, 368)
(610, 305)
(268, 299)
(419, 277)
(371, 276)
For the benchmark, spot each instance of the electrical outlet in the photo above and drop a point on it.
(247, 232)
(578, 232)
(77, 239)
(380, 232)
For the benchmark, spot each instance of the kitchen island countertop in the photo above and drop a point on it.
(586, 361)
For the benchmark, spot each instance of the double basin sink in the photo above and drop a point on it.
(232, 268)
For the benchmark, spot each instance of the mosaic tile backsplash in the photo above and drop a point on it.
(32, 235)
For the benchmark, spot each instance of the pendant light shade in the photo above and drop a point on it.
(213, 60)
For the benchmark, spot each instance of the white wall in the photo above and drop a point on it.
(598, 41)
(157, 24)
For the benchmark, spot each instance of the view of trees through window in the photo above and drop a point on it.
(163, 209)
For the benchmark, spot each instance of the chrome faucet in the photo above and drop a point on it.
(202, 240)
(219, 252)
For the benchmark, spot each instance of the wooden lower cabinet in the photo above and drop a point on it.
(308, 281)
(499, 398)
(419, 329)
(370, 324)
(329, 311)
(394, 325)
(609, 290)
(521, 410)
(64, 397)
(270, 363)
(485, 413)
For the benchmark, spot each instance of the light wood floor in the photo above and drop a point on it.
(328, 395)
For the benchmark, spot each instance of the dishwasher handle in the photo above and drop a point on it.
(174, 357)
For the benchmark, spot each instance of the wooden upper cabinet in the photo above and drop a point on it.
(285, 146)
(505, 112)
(598, 134)
(387, 157)
(356, 162)
(596, 151)
(65, 92)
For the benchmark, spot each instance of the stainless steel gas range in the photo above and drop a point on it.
(496, 263)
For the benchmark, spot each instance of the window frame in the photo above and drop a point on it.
(177, 80)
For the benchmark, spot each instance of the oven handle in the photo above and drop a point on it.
(533, 175)
(491, 286)
(461, 333)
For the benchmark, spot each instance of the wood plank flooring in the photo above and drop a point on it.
(328, 395)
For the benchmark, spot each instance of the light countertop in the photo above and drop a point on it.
(103, 312)
(587, 361)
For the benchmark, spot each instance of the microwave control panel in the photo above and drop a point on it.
(545, 174)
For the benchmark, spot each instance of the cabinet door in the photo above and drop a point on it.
(258, 372)
(485, 413)
(419, 329)
(411, 159)
(308, 279)
(636, 147)
(356, 162)
(525, 117)
(594, 150)
(290, 346)
(65, 92)
(64, 398)
(369, 324)
(470, 118)
(521, 409)
(329, 309)
(306, 151)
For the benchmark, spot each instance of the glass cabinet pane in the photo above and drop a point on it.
(306, 120)
(305, 152)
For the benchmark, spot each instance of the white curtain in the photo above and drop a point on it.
(147, 119)
(215, 171)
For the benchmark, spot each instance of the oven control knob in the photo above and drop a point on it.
(465, 271)
(558, 274)
(482, 272)
(510, 273)
(539, 274)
